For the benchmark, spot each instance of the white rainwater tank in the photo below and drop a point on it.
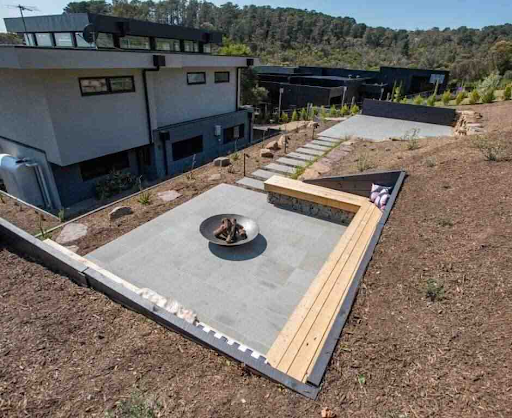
(20, 179)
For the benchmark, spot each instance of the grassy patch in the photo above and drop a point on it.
(444, 222)
(364, 161)
(135, 407)
(431, 162)
(435, 290)
(145, 198)
(493, 149)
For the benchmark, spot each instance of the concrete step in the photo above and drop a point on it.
(251, 183)
(280, 168)
(317, 147)
(264, 175)
(291, 162)
(310, 151)
(328, 140)
(299, 156)
(324, 144)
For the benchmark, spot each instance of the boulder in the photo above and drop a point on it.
(221, 162)
(265, 153)
(283, 141)
(119, 212)
(273, 145)
(214, 177)
(72, 232)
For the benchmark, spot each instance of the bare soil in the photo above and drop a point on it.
(429, 334)
(101, 231)
(24, 217)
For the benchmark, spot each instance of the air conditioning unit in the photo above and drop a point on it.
(236, 132)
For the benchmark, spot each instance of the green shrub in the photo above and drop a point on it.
(295, 116)
(446, 98)
(460, 98)
(314, 110)
(474, 97)
(332, 112)
(303, 114)
(323, 113)
(418, 100)
(507, 94)
(404, 100)
(435, 290)
(145, 198)
(493, 149)
(284, 117)
(488, 96)
(113, 184)
(431, 101)
(345, 110)
(354, 110)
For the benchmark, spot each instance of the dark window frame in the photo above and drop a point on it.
(196, 83)
(109, 87)
(190, 152)
(119, 161)
(228, 134)
(223, 81)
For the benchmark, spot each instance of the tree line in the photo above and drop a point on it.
(287, 36)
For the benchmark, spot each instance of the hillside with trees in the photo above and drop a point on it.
(287, 36)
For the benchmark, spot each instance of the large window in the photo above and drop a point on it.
(44, 39)
(64, 40)
(191, 46)
(102, 166)
(105, 40)
(29, 39)
(134, 42)
(106, 85)
(187, 148)
(196, 78)
(222, 77)
(207, 48)
(168, 45)
(233, 133)
(81, 42)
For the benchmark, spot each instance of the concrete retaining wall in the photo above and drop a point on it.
(415, 113)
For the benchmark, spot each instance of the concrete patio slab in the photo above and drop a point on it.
(381, 129)
(246, 292)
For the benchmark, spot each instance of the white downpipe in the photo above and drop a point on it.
(42, 182)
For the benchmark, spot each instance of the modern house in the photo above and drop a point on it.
(298, 86)
(89, 93)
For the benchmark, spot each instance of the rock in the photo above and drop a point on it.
(73, 248)
(169, 195)
(119, 212)
(72, 232)
(272, 145)
(313, 125)
(266, 153)
(214, 177)
(283, 141)
(327, 413)
(321, 167)
(310, 174)
(221, 162)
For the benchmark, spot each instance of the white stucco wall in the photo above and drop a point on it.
(176, 101)
(87, 127)
(24, 112)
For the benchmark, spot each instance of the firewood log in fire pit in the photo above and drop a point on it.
(230, 231)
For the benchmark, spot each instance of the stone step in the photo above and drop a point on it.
(302, 157)
(329, 140)
(251, 183)
(317, 147)
(264, 175)
(280, 168)
(323, 144)
(309, 151)
(292, 162)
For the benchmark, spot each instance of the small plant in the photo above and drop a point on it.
(314, 111)
(303, 114)
(492, 150)
(235, 157)
(2, 199)
(418, 100)
(345, 111)
(62, 214)
(364, 162)
(190, 174)
(333, 112)
(404, 100)
(354, 110)
(43, 232)
(435, 290)
(445, 222)
(284, 117)
(135, 407)
(488, 96)
(474, 97)
(507, 94)
(299, 171)
(295, 116)
(413, 141)
(397, 93)
(323, 113)
(145, 198)
(431, 100)
(460, 98)
(431, 162)
(446, 97)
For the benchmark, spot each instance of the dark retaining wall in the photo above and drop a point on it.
(415, 113)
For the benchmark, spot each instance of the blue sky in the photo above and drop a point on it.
(401, 14)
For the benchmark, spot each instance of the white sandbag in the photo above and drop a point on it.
(383, 200)
(153, 297)
(187, 315)
(172, 306)
(373, 196)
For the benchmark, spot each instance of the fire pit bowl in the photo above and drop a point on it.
(212, 223)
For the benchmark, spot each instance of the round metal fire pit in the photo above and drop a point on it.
(212, 223)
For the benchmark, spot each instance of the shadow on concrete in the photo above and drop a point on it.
(240, 253)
